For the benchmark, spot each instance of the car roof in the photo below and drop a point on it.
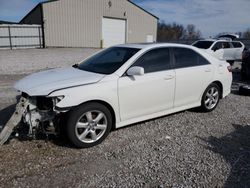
(215, 40)
(218, 40)
(152, 45)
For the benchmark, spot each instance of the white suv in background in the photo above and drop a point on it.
(222, 49)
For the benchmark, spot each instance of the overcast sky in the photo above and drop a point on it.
(209, 16)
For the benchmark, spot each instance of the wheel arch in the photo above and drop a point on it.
(217, 82)
(106, 104)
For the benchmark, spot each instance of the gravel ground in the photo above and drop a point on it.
(32, 60)
(186, 149)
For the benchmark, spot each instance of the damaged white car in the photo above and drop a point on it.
(119, 86)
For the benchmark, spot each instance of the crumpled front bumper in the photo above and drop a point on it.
(15, 119)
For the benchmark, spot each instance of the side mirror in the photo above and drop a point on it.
(135, 71)
(215, 49)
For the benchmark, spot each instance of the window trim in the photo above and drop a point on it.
(174, 61)
(238, 43)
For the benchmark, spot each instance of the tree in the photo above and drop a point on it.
(246, 34)
(172, 31)
(192, 33)
(176, 31)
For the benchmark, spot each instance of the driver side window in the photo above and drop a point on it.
(155, 60)
(217, 46)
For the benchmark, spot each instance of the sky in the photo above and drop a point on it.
(209, 16)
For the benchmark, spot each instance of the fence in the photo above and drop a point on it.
(20, 36)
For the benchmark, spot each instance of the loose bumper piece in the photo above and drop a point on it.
(14, 120)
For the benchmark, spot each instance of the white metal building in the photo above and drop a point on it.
(92, 23)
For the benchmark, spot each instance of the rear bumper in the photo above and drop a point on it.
(227, 84)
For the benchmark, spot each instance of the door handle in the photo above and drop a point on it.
(208, 70)
(168, 77)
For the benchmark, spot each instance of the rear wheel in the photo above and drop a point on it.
(88, 125)
(210, 98)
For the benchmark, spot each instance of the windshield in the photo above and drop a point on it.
(108, 61)
(203, 44)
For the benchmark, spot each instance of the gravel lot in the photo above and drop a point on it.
(32, 60)
(186, 149)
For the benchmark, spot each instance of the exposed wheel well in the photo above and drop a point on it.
(109, 107)
(220, 86)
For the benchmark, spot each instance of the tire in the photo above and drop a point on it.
(243, 76)
(88, 125)
(244, 90)
(210, 98)
(231, 62)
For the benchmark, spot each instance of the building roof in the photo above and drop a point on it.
(6, 22)
(143, 9)
(50, 1)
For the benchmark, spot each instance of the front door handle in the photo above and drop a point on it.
(168, 77)
(208, 70)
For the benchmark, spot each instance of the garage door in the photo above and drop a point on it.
(113, 32)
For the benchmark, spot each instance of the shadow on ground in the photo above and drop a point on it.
(6, 113)
(235, 149)
(237, 81)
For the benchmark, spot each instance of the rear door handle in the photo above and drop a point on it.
(168, 77)
(208, 70)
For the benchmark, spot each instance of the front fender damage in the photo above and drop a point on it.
(33, 116)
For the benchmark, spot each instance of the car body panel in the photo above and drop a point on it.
(188, 87)
(147, 94)
(105, 90)
(132, 98)
(45, 82)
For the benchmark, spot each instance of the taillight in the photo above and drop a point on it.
(229, 68)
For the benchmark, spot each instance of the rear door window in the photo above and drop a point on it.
(237, 44)
(221, 45)
(203, 44)
(184, 58)
(226, 45)
(217, 46)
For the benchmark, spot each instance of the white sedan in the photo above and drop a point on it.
(120, 86)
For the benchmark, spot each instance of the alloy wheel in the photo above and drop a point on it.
(91, 126)
(211, 98)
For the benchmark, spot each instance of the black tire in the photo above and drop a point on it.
(243, 76)
(244, 90)
(204, 106)
(231, 62)
(77, 114)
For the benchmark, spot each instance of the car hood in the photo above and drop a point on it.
(45, 82)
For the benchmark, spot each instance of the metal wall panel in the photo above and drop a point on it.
(78, 23)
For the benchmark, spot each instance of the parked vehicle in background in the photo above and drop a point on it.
(222, 49)
(123, 85)
(245, 67)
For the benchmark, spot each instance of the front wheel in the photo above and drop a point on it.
(88, 125)
(210, 98)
